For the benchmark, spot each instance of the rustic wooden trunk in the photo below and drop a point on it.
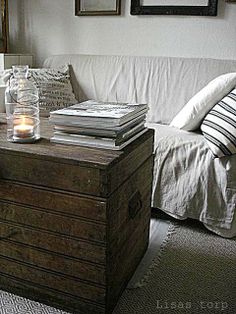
(74, 222)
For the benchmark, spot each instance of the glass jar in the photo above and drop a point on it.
(22, 107)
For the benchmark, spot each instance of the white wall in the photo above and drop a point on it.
(46, 27)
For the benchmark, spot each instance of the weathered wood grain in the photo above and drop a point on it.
(135, 229)
(77, 169)
(74, 221)
(57, 201)
(129, 164)
(45, 150)
(121, 273)
(55, 281)
(53, 242)
(53, 261)
(118, 203)
(38, 218)
(50, 173)
(49, 296)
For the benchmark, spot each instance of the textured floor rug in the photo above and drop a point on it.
(12, 304)
(195, 273)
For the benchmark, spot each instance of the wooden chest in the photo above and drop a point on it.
(74, 222)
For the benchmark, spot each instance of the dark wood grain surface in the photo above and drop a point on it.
(91, 157)
(79, 169)
(74, 221)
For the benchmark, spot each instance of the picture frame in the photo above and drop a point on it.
(97, 7)
(4, 26)
(174, 7)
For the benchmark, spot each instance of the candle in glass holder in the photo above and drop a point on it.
(23, 131)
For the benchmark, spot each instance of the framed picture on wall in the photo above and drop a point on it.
(174, 7)
(4, 26)
(97, 7)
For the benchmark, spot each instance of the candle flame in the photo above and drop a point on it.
(23, 120)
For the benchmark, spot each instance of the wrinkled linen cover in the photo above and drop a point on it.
(164, 83)
(189, 182)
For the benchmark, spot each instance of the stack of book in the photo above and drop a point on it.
(99, 124)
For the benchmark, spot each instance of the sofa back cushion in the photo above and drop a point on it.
(164, 83)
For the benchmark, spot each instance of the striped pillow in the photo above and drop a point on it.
(219, 126)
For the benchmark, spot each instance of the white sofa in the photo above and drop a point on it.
(187, 182)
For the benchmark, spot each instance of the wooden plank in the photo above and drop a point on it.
(42, 294)
(77, 155)
(127, 228)
(53, 280)
(52, 261)
(128, 259)
(51, 242)
(54, 200)
(116, 255)
(53, 174)
(71, 168)
(45, 150)
(118, 204)
(128, 234)
(34, 217)
(121, 171)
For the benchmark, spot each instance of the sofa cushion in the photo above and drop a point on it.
(190, 117)
(219, 126)
(55, 90)
(54, 86)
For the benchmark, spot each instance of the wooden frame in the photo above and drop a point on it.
(138, 7)
(96, 7)
(4, 26)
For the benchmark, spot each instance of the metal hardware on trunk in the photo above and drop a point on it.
(135, 204)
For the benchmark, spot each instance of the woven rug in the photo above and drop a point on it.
(12, 304)
(195, 272)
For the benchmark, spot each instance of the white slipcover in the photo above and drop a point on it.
(188, 182)
(165, 83)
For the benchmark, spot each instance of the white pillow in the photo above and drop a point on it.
(189, 118)
(219, 126)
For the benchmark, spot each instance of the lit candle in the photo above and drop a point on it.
(23, 130)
